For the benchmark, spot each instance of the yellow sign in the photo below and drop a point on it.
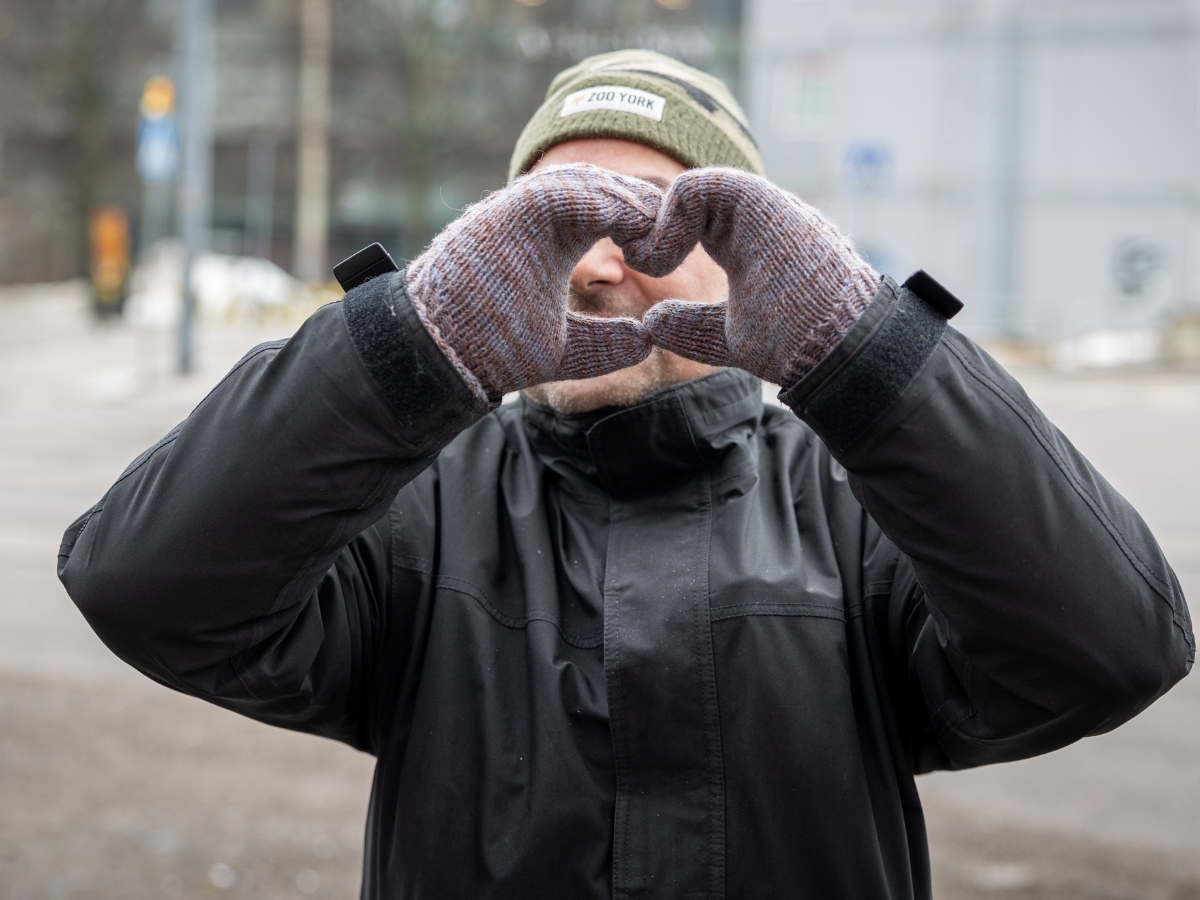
(158, 97)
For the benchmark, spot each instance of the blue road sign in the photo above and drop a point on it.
(868, 165)
(158, 150)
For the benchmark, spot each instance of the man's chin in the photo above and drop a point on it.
(626, 387)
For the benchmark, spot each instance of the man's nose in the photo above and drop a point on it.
(604, 264)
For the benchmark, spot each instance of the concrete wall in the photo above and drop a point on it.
(1051, 146)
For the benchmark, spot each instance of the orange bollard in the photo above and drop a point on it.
(108, 231)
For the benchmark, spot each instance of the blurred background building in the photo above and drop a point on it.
(1040, 158)
(426, 99)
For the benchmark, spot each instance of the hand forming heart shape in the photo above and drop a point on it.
(492, 287)
(796, 284)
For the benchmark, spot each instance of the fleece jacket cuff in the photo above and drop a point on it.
(406, 365)
(860, 379)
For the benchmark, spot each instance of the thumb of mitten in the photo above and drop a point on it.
(694, 330)
(680, 223)
(597, 346)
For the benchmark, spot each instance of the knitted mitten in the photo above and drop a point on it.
(492, 288)
(796, 286)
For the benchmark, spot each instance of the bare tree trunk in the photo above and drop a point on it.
(420, 142)
(90, 129)
(312, 188)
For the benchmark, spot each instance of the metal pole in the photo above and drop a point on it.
(195, 188)
(312, 164)
(1010, 83)
(156, 214)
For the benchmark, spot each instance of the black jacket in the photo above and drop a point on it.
(694, 648)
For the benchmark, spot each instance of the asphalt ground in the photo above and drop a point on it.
(113, 788)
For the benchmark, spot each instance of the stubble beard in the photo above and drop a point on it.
(626, 387)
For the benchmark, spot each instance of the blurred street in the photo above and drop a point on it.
(116, 789)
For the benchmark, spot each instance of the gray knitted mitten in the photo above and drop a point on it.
(492, 288)
(796, 285)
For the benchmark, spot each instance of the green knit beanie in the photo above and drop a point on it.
(645, 97)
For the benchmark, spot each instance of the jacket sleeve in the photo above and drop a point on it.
(244, 557)
(1032, 605)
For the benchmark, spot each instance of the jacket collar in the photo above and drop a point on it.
(672, 433)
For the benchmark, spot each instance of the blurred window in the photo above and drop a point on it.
(804, 100)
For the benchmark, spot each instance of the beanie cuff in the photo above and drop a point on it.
(641, 96)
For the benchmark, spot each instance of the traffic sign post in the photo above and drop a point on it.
(157, 158)
(158, 134)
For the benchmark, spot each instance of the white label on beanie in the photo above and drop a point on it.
(613, 96)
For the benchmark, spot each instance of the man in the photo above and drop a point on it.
(636, 635)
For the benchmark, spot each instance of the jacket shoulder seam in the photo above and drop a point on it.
(1140, 565)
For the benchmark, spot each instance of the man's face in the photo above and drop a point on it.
(602, 285)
